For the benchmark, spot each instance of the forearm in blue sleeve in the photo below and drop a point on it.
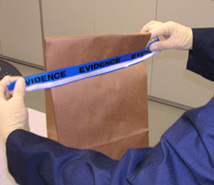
(201, 57)
(36, 160)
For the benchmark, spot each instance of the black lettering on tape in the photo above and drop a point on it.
(46, 78)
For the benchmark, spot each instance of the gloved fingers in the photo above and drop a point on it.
(6, 81)
(158, 29)
(161, 45)
(154, 27)
(19, 90)
(4, 93)
(150, 25)
(3, 90)
(165, 30)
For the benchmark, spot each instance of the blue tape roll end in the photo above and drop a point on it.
(11, 86)
(148, 47)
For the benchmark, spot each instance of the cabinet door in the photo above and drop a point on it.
(68, 17)
(124, 17)
(20, 30)
(170, 79)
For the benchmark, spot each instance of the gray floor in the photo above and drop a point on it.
(161, 116)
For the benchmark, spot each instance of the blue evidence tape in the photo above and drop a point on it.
(71, 74)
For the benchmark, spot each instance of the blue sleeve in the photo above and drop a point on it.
(201, 57)
(36, 160)
(183, 156)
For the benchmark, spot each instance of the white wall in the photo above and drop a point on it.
(68, 17)
(20, 29)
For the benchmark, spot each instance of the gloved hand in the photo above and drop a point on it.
(176, 36)
(13, 112)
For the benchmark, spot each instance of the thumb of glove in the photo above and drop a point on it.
(13, 112)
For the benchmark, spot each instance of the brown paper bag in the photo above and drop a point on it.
(107, 113)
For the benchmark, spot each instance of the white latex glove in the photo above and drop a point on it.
(176, 35)
(13, 112)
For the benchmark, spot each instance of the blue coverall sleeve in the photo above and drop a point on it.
(35, 160)
(183, 156)
(201, 57)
